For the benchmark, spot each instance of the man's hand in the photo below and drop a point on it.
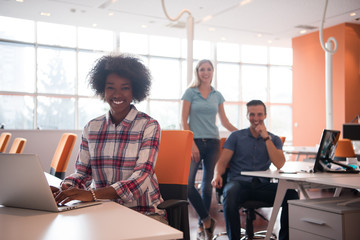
(261, 129)
(217, 181)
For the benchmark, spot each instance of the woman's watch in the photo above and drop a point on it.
(267, 138)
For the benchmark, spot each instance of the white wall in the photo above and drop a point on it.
(44, 143)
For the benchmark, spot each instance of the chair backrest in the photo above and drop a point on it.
(172, 171)
(222, 141)
(283, 139)
(4, 141)
(62, 155)
(344, 149)
(173, 163)
(18, 145)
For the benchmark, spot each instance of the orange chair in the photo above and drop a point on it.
(283, 139)
(344, 150)
(4, 141)
(172, 171)
(62, 155)
(18, 145)
(222, 141)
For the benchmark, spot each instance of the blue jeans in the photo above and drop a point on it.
(209, 151)
(237, 192)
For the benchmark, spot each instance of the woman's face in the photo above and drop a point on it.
(118, 94)
(205, 73)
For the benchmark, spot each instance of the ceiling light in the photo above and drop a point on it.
(353, 14)
(244, 2)
(303, 31)
(144, 26)
(207, 18)
(45, 14)
(94, 25)
(211, 29)
(111, 14)
(20, 1)
(307, 27)
(223, 38)
(259, 35)
(269, 41)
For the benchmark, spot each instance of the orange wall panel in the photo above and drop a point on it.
(309, 103)
(352, 75)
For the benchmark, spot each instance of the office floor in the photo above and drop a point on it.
(259, 224)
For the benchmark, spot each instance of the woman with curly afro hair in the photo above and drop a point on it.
(118, 149)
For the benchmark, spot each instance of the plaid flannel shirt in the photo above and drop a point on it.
(123, 157)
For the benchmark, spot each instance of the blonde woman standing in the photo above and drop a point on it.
(201, 103)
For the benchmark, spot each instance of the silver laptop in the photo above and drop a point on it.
(23, 184)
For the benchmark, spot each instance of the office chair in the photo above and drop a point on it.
(344, 150)
(172, 171)
(4, 141)
(62, 155)
(18, 145)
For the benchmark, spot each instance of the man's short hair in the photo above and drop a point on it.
(256, 103)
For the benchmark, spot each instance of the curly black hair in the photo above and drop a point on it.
(125, 66)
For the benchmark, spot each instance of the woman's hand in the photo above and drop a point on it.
(195, 154)
(68, 194)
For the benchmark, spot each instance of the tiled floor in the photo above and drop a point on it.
(259, 224)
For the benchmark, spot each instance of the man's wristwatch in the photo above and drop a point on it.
(267, 138)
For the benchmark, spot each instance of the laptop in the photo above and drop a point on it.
(23, 184)
(324, 157)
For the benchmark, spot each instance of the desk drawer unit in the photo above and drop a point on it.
(324, 219)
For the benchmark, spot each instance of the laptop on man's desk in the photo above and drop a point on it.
(23, 184)
(325, 155)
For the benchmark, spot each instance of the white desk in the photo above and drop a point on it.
(108, 221)
(302, 181)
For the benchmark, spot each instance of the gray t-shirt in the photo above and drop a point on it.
(202, 115)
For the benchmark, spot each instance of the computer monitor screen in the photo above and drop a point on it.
(351, 131)
(326, 149)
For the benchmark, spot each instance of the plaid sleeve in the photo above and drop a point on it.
(82, 177)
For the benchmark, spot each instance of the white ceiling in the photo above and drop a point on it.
(238, 21)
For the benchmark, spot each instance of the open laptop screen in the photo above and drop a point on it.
(327, 149)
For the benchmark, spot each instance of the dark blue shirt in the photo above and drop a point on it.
(250, 154)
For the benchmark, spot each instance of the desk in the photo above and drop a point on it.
(300, 151)
(108, 221)
(302, 181)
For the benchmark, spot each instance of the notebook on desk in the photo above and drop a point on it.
(23, 184)
(325, 155)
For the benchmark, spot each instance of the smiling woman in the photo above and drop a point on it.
(118, 94)
(118, 149)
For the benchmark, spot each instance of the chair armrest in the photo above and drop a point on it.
(172, 203)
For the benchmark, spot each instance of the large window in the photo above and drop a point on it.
(44, 68)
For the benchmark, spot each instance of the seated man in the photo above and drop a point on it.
(251, 149)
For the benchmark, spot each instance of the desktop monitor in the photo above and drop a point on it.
(326, 152)
(351, 131)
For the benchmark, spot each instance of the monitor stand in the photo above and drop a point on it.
(348, 169)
